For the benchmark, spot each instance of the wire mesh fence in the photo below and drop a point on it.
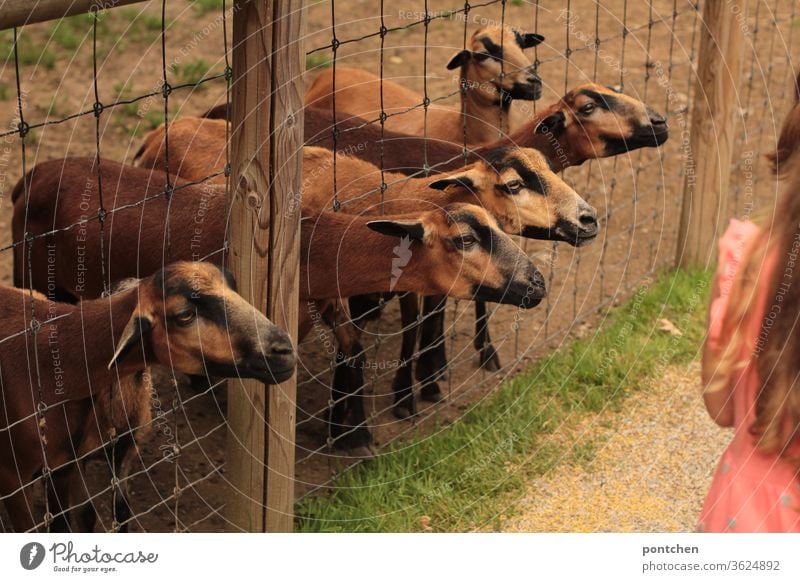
(647, 51)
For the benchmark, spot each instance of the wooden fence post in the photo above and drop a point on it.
(21, 12)
(266, 176)
(713, 131)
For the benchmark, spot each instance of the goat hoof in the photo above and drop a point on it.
(364, 453)
(403, 410)
(431, 393)
(490, 361)
(353, 439)
(431, 366)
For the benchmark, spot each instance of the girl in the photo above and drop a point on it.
(751, 361)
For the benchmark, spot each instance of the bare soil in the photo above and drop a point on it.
(638, 196)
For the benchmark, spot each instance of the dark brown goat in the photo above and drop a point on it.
(81, 351)
(135, 240)
(516, 185)
(590, 121)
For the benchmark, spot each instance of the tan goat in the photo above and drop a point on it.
(493, 71)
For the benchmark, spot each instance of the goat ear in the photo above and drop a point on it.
(400, 228)
(462, 180)
(230, 280)
(528, 40)
(459, 59)
(138, 326)
(553, 123)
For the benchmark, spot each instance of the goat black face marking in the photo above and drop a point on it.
(533, 181)
(495, 51)
(486, 236)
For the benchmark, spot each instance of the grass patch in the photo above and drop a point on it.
(143, 26)
(5, 91)
(317, 61)
(139, 117)
(192, 72)
(205, 6)
(463, 477)
(71, 32)
(30, 51)
(57, 108)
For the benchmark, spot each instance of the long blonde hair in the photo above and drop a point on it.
(776, 353)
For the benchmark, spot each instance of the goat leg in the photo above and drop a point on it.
(19, 505)
(489, 360)
(404, 403)
(348, 421)
(125, 449)
(432, 362)
(58, 488)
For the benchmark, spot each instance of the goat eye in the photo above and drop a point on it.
(185, 317)
(588, 108)
(465, 242)
(514, 186)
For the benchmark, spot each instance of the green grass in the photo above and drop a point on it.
(139, 117)
(205, 6)
(317, 61)
(57, 107)
(518, 2)
(5, 91)
(143, 26)
(70, 33)
(465, 476)
(191, 72)
(30, 51)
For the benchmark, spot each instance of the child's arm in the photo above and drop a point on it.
(719, 404)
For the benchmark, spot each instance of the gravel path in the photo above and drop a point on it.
(652, 467)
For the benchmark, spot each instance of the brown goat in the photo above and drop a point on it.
(197, 230)
(589, 122)
(516, 185)
(161, 321)
(493, 71)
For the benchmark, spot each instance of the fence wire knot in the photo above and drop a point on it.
(97, 108)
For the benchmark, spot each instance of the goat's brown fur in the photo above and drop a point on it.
(493, 69)
(561, 132)
(82, 350)
(126, 230)
(367, 268)
(557, 212)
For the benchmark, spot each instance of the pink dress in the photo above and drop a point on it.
(751, 491)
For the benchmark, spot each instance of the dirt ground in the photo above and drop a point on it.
(638, 196)
(663, 442)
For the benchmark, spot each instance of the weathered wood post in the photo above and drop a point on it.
(714, 112)
(266, 176)
(20, 12)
